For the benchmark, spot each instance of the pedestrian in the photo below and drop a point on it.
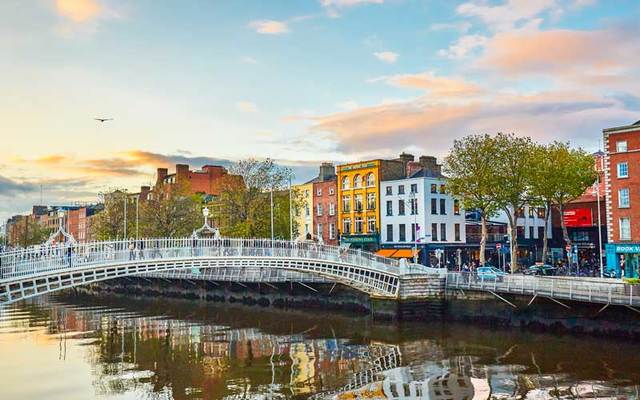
(141, 249)
(132, 249)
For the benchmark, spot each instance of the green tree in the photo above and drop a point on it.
(31, 232)
(243, 209)
(515, 170)
(472, 177)
(109, 223)
(561, 175)
(170, 212)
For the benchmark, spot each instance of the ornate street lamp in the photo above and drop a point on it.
(60, 231)
(206, 226)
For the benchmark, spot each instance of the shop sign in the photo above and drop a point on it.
(627, 248)
(357, 166)
(578, 217)
(360, 239)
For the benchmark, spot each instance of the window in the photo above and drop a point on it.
(625, 228)
(520, 213)
(400, 189)
(414, 188)
(319, 230)
(621, 146)
(319, 210)
(414, 206)
(403, 233)
(456, 207)
(456, 232)
(319, 192)
(443, 207)
(434, 188)
(306, 193)
(389, 233)
(540, 232)
(434, 232)
(413, 232)
(371, 225)
(357, 181)
(530, 212)
(371, 201)
(443, 189)
(332, 231)
(332, 208)
(346, 226)
(400, 207)
(443, 232)
(306, 229)
(531, 232)
(434, 206)
(307, 210)
(371, 180)
(623, 198)
(389, 190)
(346, 203)
(520, 231)
(358, 203)
(332, 191)
(623, 170)
(345, 182)
(389, 208)
(359, 227)
(541, 213)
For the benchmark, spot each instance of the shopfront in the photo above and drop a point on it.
(367, 242)
(623, 259)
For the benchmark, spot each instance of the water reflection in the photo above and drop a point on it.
(83, 347)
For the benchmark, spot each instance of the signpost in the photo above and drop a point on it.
(498, 247)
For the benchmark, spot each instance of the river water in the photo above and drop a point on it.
(83, 347)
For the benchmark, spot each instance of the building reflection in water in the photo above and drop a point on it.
(146, 354)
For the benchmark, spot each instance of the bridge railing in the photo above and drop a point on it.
(41, 259)
(593, 290)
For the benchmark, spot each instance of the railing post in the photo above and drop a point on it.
(631, 295)
(609, 294)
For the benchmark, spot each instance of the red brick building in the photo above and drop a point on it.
(210, 180)
(325, 204)
(622, 185)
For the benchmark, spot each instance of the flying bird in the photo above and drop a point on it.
(103, 119)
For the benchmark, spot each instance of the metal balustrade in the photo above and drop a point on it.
(42, 269)
(592, 290)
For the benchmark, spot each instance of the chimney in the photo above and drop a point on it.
(430, 164)
(182, 172)
(327, 171)
(406, 158)
(161, 173)
(144, 193)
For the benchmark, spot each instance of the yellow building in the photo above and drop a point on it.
(359, 199)
(303, 214)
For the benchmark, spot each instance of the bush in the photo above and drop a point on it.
(632, 281)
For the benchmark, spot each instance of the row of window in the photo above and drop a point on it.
(414, 189)
(369, 181)
(332, 191)
(358, 202)
(414, 207)
(332, 231)
(532, 212)
(320, 209)
(436, 229)
(358, 226)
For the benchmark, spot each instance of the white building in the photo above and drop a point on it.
(529, 222)
(418, 208)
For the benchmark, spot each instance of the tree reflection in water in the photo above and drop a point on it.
(187, 350)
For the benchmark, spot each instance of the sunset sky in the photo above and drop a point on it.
(298, 81)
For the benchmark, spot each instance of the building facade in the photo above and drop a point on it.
(210, 180)
(622, 188)
(325, 204)
(303, 212)
(418, 213)
(359, 199)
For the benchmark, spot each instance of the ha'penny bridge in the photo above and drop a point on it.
(38, 270)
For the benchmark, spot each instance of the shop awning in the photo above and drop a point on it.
(403, 253)
(385, 252)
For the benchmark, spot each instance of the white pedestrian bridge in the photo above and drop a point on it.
(37, 270)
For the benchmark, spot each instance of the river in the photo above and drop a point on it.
(112, 347)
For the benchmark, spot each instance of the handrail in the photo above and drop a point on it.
(63, 256)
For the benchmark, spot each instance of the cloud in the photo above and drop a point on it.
(246, 106)
(78, 11)
(451, 26)
(249, 60)
(348, 105)
(507, 15)
(436, 86)
(386, 56)
(269, 27)
(347, 3)
(463, 47)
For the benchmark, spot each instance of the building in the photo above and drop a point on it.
(359, 199)
(210, 180)
(325, 204)
(303, 212)
(622, 188)
(418, 213)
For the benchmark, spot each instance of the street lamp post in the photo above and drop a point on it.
(271, 201)
(125, 216)
(597, 193)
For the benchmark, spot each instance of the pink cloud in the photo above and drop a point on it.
(78, 10)
(269, 27)
(437, 86)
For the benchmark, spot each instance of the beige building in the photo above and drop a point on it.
(303, 214)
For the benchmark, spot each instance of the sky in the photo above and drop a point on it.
(300, 82)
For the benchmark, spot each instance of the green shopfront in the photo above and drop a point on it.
(365, 242)
(623, 259)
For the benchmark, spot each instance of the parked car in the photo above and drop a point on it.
(490, 274)
(541, 270)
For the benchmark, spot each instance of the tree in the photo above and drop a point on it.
(170, 212)
(30, 232)
(243, 209)
(515, 165)
(109, 223)
(472, 177)
(562, 175)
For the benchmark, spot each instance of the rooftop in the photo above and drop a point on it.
(635, 125)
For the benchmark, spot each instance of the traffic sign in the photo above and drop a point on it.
(498, 246)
